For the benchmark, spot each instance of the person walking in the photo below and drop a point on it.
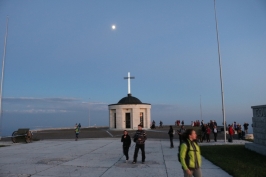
(190, 157)
(140, 138)
(126, 143)
(171, 136)
(215, 131)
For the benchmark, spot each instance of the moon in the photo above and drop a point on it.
(113, 27)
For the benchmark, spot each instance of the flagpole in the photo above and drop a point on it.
(89, 114)
(221, 74)
(2, 78)
(200, 109)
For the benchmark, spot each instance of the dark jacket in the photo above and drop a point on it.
(140, 137)
(170, 132)
(126, 141)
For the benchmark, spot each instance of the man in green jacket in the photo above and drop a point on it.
(190, 157)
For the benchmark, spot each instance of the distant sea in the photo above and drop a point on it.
(11, 122)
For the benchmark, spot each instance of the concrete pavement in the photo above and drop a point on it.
(95, 158)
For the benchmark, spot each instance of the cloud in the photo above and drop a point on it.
(36, 111)
(75, 107)
(32, 105)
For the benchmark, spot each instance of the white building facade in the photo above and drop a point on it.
(128, 113)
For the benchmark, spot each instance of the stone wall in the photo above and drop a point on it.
(259, 124)
(259, 130)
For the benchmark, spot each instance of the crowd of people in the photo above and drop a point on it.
(212, 128)
(236, 128)
(177, 122)
(190, 166)
(207, 129)
(188, 142)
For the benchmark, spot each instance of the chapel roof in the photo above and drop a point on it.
(129, 99)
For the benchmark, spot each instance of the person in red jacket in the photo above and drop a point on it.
(231, 133)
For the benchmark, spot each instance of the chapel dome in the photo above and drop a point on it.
(129, 100)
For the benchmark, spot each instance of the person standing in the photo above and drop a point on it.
(161, 124)
(239, 131)
(231, 133)
(182, 122)
(77, 133)
(171, 136)
(246, 127)
(215, 123)
(180, 133)
(215, 131)
(208, 132)
(190, 157)
(202, 123)
(235, 126)
(153, 125)
(203, 130)
(140, 138)
(126, 143)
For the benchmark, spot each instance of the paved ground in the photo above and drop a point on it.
(97, 153)
(94, 157)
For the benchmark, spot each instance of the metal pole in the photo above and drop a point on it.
(2, 78)
(200, 109)
(221, 77)
(89, 112)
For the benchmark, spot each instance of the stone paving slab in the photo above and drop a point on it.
(93, 157)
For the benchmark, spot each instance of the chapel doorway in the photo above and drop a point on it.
(128, 120)
(115, 120)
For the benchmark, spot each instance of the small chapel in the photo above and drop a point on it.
(129, 112)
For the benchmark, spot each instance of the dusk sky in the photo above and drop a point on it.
(65, 64)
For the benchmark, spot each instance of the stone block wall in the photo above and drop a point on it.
(259, 124)
(259, 130)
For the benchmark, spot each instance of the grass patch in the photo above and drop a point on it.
(236, 160)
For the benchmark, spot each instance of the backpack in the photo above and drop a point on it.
(179, 149)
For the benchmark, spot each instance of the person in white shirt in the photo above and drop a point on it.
(215, 131)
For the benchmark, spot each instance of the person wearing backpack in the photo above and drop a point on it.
(190, 157)
(77, 133)
(171, 136)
